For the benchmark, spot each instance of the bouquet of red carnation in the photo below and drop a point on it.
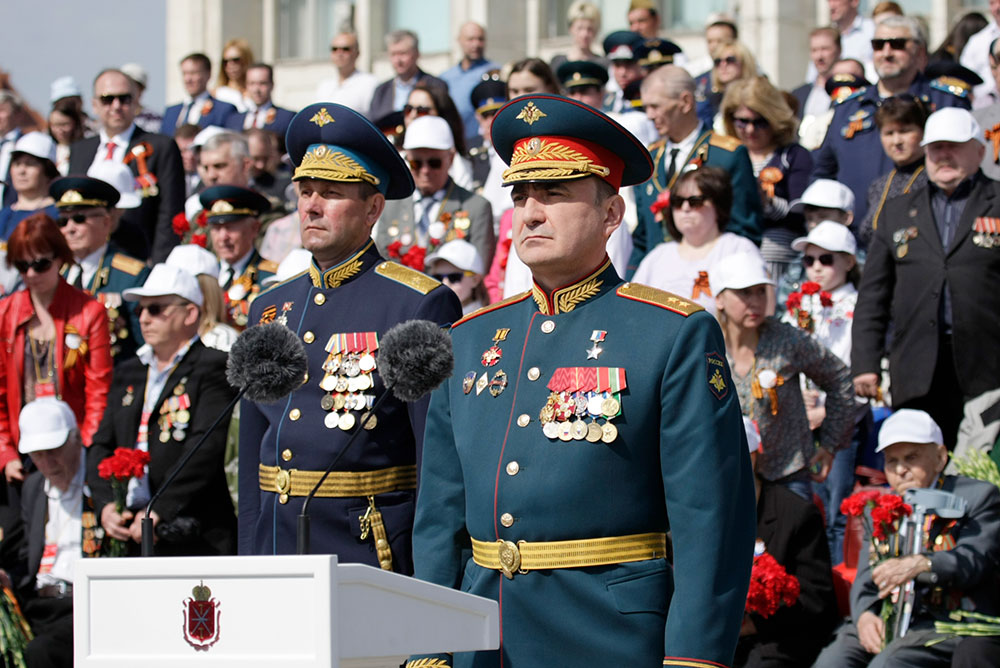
(657, 207)
(771, 586)
(394, 248)
(192, 232)
(414, 257)
(808, 304)
(119, 468)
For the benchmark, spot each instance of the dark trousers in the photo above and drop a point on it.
(945, 401)
(51, 621)
(977, 653)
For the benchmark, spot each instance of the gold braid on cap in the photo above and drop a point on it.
(324, 163)
(538, 159)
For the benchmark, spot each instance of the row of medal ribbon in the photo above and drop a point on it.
(174, 415)
(557, 416)
(987, 232)
(347, 374)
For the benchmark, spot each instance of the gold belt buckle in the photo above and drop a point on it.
(510, 558)
(283, 481)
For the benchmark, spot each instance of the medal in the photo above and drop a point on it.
(565, 431)
(609, 432)
(481, 384)
(594, 432)
(595, 350)
(580, 430)
(346, 421)
(339, 401)
(179, 434)
(469, 382)
(328, 383)
(551, 430)
(367, 362)
(901, 250)
(129, 396)
(164, 435)
(610, 407)
(331, 420)
(326, 403)
(498, 384)
(369, 421)
(364, 382)
(341, 384)
(494, 353)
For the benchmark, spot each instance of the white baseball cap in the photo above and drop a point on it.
(37, 144)
(118, 176)
(45, 424)
(295, 263)
(825, 193)
(830, 236)
(909, 426)
(207, 133)
(194, 259)
(64, 87)
(429, 132)
(952, 124)
(165, 280)
(738, 271)
(460, 253)
(135, 72)
(753, 435)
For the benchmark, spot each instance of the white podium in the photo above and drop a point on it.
(295, 611)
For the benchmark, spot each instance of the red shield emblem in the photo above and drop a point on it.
(201, 618)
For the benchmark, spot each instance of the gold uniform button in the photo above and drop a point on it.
(548, 326)
(283, 499)
(294, 414)
(381, 543)
(513, 468)
(507, 519)
(305, 378)
(320, 299)
(534, 373)
(286, 455)
(308, 337)
(523, 420)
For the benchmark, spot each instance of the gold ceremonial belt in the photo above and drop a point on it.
(521, 557)
(294, 482)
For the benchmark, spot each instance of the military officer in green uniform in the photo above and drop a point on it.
(89, 210)
(345, 169)
(234, 220)
(586, 418)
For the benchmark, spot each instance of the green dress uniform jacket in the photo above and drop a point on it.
(240, 291)
(746, 216)
(678, 461)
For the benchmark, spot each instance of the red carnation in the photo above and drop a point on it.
(180, 224)
(825, 298)
(662, 202)
(199, 240)
(854, 505)
(393, 249)
(414, 257)
(125, 463)
(810, 288)
(771, 586)
(794, 301)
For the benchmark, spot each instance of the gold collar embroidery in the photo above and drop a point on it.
(565, 299)
(338, 275)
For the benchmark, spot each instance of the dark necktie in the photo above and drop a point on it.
(672, 167)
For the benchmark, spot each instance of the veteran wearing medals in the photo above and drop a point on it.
(568, 443)
(162, 401)
(89, 210)
(234, 221)
(345, 169)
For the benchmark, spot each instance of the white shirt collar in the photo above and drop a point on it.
(120, 139)
(188, 100)
(146, 356)
(238, 266)
(90, 263)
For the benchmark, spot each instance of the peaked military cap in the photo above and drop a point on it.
(654, 52)
(958, 78)
(620, 45)
(489, 94)
(83, 191)
(552, 138)
(331, 142)
(224, 204)
(632, 94)
(839, 86)
(579, 73)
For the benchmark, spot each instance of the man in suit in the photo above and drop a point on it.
(58, 527)
(163, 401)
(262, 113)
(344, 171)
(198, 107)
(555, 396)
(144, 232)
(930, 270)
(404, 52)
(824, 51)
(961, 553)
(668, 95)
(439, 210)
(89, 208)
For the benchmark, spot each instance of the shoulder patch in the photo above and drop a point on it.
(411, 278)
(661, 298)
(513, 299)
(268, 266)
(129, 265)
(724, 142)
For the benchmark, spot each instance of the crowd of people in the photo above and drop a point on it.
(836, 232)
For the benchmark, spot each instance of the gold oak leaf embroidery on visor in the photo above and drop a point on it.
(547, 159)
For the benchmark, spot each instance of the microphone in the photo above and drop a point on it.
(266, 363)
(414, 358)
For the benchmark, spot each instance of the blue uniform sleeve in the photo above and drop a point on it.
(252, 427)
(708, 486)
(825, 158)
(746, 215)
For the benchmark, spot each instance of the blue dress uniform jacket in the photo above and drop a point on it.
(679, 461)
(852, 150)
(745, 218)
(362, 294)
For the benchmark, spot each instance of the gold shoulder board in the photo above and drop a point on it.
(129, 265)
(724, 142)
(656, 145)
(268, 266)
(513, 299)
(661, 298)
(411, 278)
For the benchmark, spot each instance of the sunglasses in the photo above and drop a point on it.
(826, 259)
(345, 49)
(728, 60)
(453, 277)
(421, 111)
(41, 265)
(155, 310)
(78, 218)
(744, 123)
(895, 43)
(432, 163)
(232, 60)
(123, 99)
(695, 202)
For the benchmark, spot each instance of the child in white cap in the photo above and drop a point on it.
(458, 265)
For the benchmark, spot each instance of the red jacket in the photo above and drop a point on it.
(83, 381)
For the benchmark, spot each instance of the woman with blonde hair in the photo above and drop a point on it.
(232, 82)
(732, 61)
(756, 113)
(204, 266)
(584, 19)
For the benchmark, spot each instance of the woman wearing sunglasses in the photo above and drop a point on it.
(232, 82)
(57, 339)
(756, 113)
(430, 100)
(697, 213)
(732, 61)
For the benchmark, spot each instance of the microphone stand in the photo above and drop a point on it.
(147, 521)
(302, 532)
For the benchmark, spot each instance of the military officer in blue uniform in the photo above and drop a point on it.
(233, 215)
(852, 150)
(344, 171)
(619, 47)
(89, 210)
(565, 446)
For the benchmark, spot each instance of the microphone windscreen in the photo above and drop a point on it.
(414, 358)
(268, 361)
